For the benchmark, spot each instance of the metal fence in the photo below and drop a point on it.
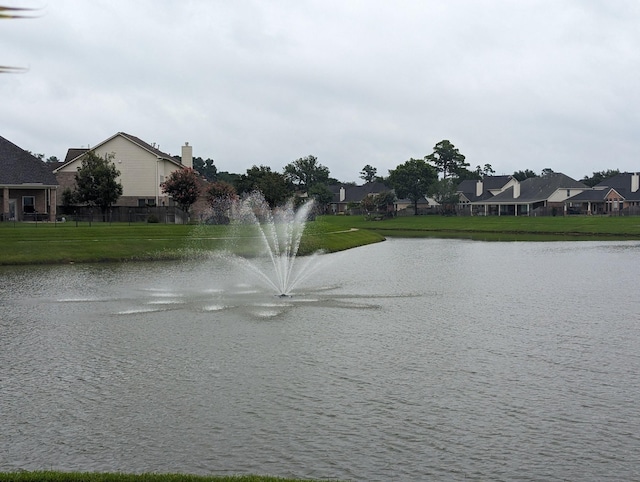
(124, 214)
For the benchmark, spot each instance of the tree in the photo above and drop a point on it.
(206, 168)
(485, 171)
(182, 186)
(377, 203)
(445, 193)
(322, 196)
(306, 172)
(447, 159)
(522, 175)
(220, 197)
(599, 176)
(546, 171)
(275, 187)
(383, 200)
(96, 182)
(412, 180)
(368, 173)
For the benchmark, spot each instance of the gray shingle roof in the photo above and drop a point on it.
(17, 166)
(468, 187)
(357, 193)
(622, 184)
(534, 189)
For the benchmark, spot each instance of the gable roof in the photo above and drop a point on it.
(489, 183)
(535, 189)
(357, 193)
(74, 153)
(18, 167)
(620, 183)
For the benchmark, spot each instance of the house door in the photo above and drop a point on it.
(12, 209)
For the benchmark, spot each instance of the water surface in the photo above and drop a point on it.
(406, 360)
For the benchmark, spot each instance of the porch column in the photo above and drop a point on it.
(515, 210)
(53, 202)
(5, 202)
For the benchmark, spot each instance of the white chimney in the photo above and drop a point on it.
(343, 194)
(635, 182)
(516, 190)
(479, 187)
(187, 155)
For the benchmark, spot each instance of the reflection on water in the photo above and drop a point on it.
(406, 360)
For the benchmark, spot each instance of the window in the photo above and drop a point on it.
(142, 203)
(28, 204)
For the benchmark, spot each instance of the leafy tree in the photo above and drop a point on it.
(229, 177)
(368, 205)
(368, 173)
(96, 182)
(546, 171)
(52, 159)
(599, 176)
(484, 171)
(182, 186)
(412, 180)
(522, 175)
(206, 168)
(275, 187)
(322, 196)
(306, 172)
(447, 159)
(220, 197)
(383, 200)
(445, 193)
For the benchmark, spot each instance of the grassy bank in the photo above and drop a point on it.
(65, 243)
(117, 477)
(24, 243)
(502, 227)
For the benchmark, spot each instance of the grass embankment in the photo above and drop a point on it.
(64, 243)
(24, 243)
(116, 477)
(503, 228)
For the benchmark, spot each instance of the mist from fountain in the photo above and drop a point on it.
(274, 235)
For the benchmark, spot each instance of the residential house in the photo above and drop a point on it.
(27, 186)
(345, 195)
(619, 194)
(143, 167)
(545, 195)
(476, 194)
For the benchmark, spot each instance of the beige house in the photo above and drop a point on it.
(143, 167)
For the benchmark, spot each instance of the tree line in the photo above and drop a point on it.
(436, 175)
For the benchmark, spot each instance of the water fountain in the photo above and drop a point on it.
(274, 235)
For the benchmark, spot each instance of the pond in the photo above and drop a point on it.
(412, 359)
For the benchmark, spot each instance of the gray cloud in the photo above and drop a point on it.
(519, 85)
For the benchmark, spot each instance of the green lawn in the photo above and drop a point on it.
(24, 243)
(501, 227)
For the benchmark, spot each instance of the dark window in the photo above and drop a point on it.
(28, 204)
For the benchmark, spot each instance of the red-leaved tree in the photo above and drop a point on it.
(182, 186)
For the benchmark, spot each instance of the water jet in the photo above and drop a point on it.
(273, 236)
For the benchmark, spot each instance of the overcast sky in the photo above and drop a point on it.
(520, 84)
